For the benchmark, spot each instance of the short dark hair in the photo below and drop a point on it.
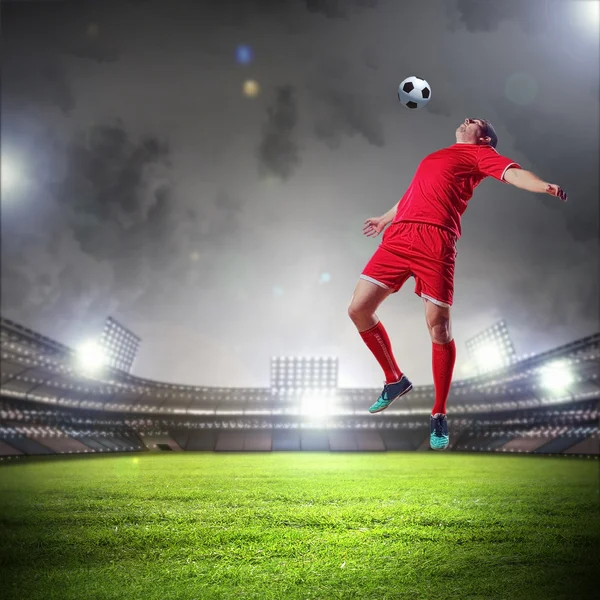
(491, 132)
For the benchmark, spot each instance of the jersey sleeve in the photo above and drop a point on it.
(492, 164)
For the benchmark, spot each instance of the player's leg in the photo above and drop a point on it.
(443, 358)
(433, 265)
(366, 299)
(384, 274)
(443, 351)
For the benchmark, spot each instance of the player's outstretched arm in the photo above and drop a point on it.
(526, 180)
(375, 225)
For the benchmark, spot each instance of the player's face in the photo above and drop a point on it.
(470, 130)
(469, 125)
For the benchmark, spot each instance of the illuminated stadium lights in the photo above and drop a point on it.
(120, 345)
(556, 376)
(587, 13)
(11, 174)
(489, 358)
(301, 373)
(91, 357)
(491, 349)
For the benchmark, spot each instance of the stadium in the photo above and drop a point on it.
(259, 493)
(546, 404)
(192, 326)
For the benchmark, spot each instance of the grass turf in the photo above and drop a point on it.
(299, 526)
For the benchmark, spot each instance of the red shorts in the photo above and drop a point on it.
(426, 252)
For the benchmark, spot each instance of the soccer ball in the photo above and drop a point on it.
(414, 92)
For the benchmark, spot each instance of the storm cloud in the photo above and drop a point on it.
(35, 80)
(348, 115)
(111, 215)
(108, 192)
(278, 151)
(337, 9)
(475, 15)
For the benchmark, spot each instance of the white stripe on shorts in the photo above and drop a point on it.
(438, 302)
(367, 278)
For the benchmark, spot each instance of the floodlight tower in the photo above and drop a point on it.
(298, 375)
(119, 344)
(492, 348)
(557, 376)
(311, 383)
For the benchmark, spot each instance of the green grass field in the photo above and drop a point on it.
(300, 525)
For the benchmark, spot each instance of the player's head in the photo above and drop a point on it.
(476, 131)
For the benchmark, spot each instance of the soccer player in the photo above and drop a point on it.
(424, 227)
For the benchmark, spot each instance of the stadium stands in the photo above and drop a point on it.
(160, 442)
(286, 440)
(588, 446)
(48, 406)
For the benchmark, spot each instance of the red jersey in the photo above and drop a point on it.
(444, 182)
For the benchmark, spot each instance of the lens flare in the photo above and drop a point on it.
(244, 55)
(251, 89)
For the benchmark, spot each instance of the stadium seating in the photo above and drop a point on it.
(589, 446)
(286, 440)
(369, 441)
(564, 441)
(257, 441)
(158, 443)
(8, 450)
(47, 406)
(523, 444)
(316, 440)
(22, 443)
(199, 440)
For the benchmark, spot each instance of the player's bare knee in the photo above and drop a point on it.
(360, 315)
(354, 312)
(440, 332)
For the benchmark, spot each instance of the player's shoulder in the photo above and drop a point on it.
(486, 149)
(450, 149)
(467, 149)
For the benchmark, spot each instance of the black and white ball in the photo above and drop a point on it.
(414, 92)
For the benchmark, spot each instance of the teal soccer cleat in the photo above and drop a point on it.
(390, 392)
(439, 437)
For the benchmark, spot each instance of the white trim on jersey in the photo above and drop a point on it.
(507, 168)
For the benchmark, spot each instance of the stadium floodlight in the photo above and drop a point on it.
(119, 344)
(303, 373)
(91, 357)
(556, 376)
(11, 173)
(587, 12)
(469, 369)
(491, 349)
(316, 406)
(488, 358)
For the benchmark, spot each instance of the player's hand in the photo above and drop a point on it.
(556, 190)
(374, 226)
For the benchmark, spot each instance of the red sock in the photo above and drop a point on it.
(379, 344)
(444, 357)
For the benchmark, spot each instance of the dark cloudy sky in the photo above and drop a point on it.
(152, 189)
